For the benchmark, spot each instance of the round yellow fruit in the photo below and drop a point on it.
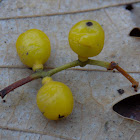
(33, 48)
(54, 99)
(86, 38)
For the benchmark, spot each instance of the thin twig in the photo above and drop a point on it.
(41, 74)
(114, 65)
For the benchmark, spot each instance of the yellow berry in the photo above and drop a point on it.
(33, 48)
(54, 99)
(86, 38)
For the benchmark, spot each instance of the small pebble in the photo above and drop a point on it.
(120, 91)
(4, 101)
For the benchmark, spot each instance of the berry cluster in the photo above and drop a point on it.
(54, 99)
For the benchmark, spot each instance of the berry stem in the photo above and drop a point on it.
(42, 74)
(17, 84)
(99, 63)
(64, 67)
(38, 74)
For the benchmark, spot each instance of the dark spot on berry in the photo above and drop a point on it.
(129, 7)
(43, 113)
(4, 41)
(30, 68)
(61, 116)
(89, 23)
(135, 32)
(4, 101)
(120, 91)
(27, 53)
